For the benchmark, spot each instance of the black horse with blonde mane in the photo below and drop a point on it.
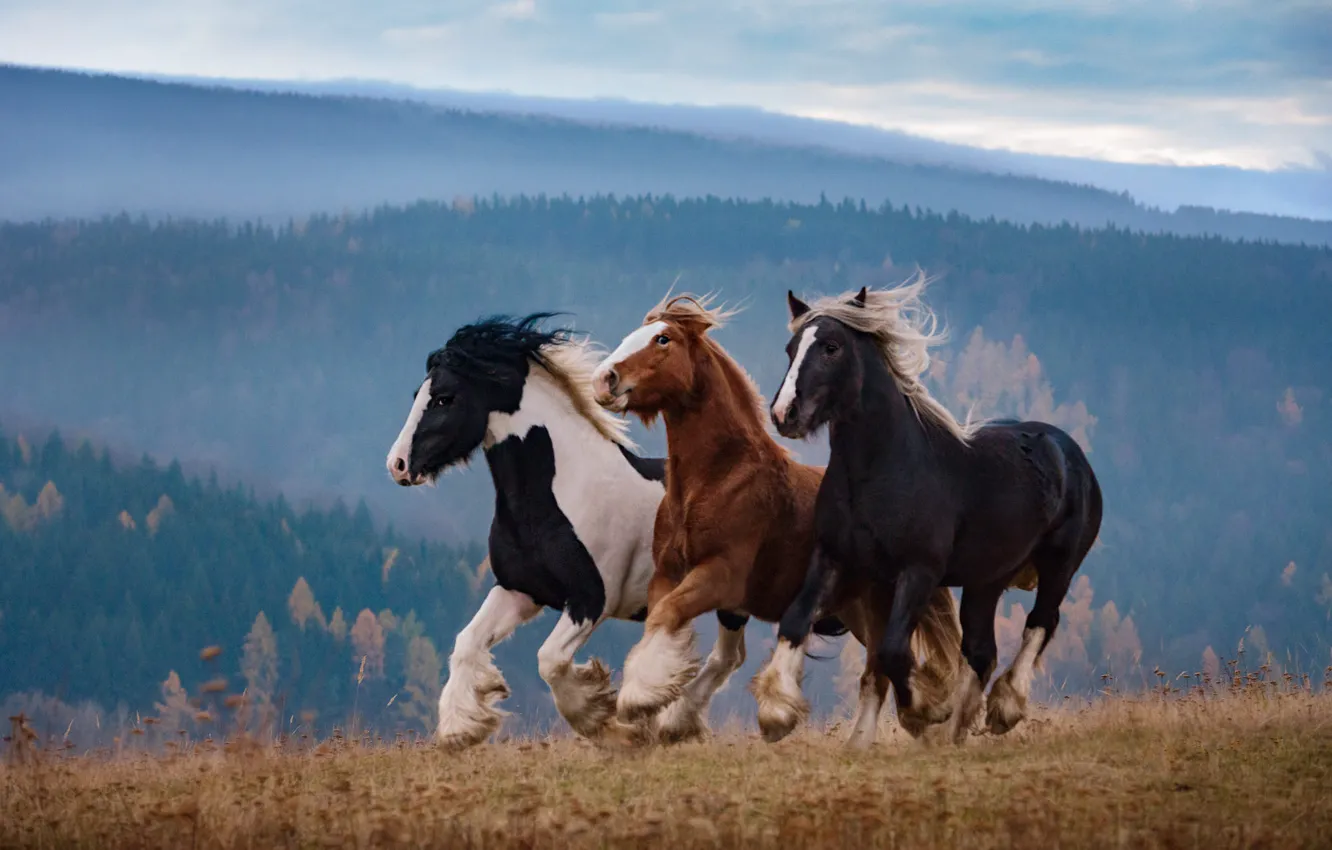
(914, 500)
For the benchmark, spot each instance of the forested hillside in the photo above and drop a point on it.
(116, 578)
(79, 145)
(1195, 370)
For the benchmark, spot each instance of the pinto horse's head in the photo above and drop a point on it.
(656, 366)
(824, 375)
(481, 370)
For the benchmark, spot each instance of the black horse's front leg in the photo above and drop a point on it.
(777, 687)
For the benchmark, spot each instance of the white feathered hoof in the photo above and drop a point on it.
(468, 713)
(781, 705)
(681, 721)
(1006, 707)
(655, 673)
(584, 696)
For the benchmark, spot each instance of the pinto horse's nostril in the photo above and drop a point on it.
(400, 465)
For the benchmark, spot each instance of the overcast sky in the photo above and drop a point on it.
(1237, 82)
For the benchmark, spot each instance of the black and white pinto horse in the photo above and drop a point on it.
(913, 499)
(572, 530)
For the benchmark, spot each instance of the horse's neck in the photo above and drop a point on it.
(882, 428)
(709, 426)
(545, 404)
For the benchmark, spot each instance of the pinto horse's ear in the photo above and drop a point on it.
(798, 307)
(859, 300)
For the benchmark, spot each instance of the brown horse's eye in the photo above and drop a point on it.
(662, 339)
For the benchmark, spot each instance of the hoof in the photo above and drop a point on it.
(1006, 707)
(681, 721)
(655, 674)
(618, 735)
(781, 704)
(454, 737)
(590, 704)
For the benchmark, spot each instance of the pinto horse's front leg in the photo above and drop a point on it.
(583, 692)
(467, 711)
(663, 661)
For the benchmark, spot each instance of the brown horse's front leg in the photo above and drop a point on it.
(658, 667)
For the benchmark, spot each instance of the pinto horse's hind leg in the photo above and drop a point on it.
(685, 718)
(467, 711)
(583, 692)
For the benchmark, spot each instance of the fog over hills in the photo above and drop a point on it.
(90, 145)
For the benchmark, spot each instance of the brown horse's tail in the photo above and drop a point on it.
(938, 642)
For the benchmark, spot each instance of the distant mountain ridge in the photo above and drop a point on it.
(87, 145)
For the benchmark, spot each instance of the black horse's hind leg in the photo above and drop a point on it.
(915, 585)
(979, 653)
(1055, 560)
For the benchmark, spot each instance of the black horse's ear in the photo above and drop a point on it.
(859, 300)
(798, 307)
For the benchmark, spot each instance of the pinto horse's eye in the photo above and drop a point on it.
(662, 339)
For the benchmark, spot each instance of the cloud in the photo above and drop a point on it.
(1229, 82)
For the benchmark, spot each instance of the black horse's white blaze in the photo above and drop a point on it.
(574, 514)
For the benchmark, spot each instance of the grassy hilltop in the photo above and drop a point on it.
(1247, 766)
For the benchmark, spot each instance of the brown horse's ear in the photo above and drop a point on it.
(798, 307)
(859, 300)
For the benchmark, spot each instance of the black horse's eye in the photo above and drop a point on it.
(662, 339)
(441, 401)
(831, 348)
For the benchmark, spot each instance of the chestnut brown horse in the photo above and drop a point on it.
(735, 531)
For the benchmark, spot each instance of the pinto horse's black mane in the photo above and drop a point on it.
(485, 348)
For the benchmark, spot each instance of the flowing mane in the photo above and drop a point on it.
(477, 349)
(571, 363)
(697, 312)
(904, 329)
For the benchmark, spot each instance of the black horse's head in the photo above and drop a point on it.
(825, 373)
(481, 370)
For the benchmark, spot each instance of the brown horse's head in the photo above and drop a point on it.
(656, 366)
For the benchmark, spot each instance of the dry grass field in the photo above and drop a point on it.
(1248, 768)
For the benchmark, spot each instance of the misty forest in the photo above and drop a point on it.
(194, 414)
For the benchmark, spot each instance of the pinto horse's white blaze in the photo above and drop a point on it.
(1008, 698)
(467, 711)
(683, 718)
(781, 704)
(400, 455)
(781, 408)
